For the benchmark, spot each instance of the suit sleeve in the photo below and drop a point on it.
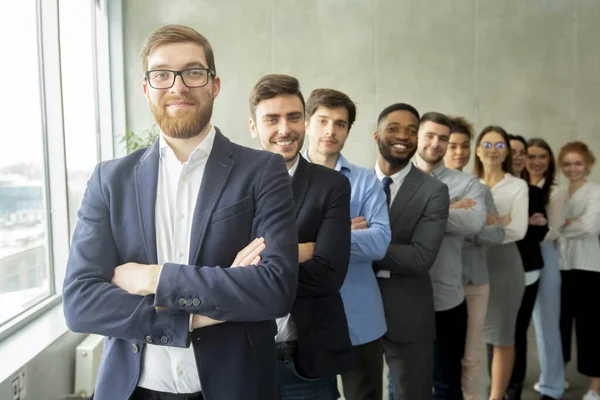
(490, 235)
(248, 293)
(372, 243)
(92, 304)
(325, 272)
(416, 258)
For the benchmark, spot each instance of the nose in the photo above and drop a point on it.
(330, 129)
(179, 86)
(284, 127)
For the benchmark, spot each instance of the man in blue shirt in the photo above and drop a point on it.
(330, 114)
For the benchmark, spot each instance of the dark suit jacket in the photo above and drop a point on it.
(529, 246)
(244, 194)
(322, 202)
(418, 219)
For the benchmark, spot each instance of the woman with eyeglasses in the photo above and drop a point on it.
(531, 255)
(474, 259)
(493, 165)
(540, 169)
(579, 262)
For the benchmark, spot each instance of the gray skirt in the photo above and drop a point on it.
(507, 285)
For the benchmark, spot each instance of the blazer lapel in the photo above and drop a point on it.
(407, 190)
(300, 183)
(217, 171)
(146, 183)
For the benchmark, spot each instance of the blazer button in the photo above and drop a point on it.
(135, 348)
(164, 340)
(181, 301)
(148, 339)
(188, 302)
(196, 302)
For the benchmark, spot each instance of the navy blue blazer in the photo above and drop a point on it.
(244, 194)
(322, 202)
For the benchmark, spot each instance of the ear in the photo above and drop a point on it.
(216, 86)
(478, 151)
(253, 130)
(146, 89)
(376, 136)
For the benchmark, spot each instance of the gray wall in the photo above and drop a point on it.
(530, 66)
(51, 374)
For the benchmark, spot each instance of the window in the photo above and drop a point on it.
(50, 143)
(23, 190)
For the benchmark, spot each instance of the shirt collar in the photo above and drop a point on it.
(292, 170)
(398, 176)
(439, 171)
(341, 164)
(203, 149)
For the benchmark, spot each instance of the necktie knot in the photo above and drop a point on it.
(387, 181)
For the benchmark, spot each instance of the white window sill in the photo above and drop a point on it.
(29, 341)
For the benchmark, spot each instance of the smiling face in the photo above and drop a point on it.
(328, 130)
(538, 161)
(433, 142)
(492, 150)
(181, 112)
(459, 151)
(396, 137)
(574, 167)
(279, 126)
(519, 156)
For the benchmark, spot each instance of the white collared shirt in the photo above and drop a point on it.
(286, 328)
(397, 179)
(164, 368)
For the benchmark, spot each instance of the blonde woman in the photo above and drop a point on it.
(579, 262)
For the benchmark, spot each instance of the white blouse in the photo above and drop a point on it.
(554, 211)
(511, 196)
(578, 242)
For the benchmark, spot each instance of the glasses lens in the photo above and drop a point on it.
(500, 146)
(486, 145)
(160, 79)
(195, 77)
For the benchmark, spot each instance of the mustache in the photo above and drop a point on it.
(170, 98)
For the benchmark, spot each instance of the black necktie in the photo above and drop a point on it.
(387, 181)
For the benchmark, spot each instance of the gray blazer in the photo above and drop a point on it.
(418, 219)
(475, 247)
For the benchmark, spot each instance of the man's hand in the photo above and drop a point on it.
(463, 204)
(138, 279)
(200, 321)
(538, 219)
(249, 255)
(305, 251)
(359, 223)
(491, 220)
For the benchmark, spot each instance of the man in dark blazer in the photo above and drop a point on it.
(313, 342)
(418, 216)
(157, 233)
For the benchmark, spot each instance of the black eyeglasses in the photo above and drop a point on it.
(165, 78)
(498, 146)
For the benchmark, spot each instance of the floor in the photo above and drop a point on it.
(577, 381)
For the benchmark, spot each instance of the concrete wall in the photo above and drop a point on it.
(530, 66)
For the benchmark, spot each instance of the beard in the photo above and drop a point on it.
(431, 159)
(186, 124)
(384, 150)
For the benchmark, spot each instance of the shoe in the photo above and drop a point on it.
(536, 386)
(591, 395)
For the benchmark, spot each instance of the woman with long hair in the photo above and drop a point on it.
(579, 262)
(531, 255)
(474, 258)
(540, 168)
(493, 165)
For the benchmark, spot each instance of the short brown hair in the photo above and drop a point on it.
(273, 85)
(461, 125)
(436, 118)
(177, 34)
(330, 98)
(580, 148)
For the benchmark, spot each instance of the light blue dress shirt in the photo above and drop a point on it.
(360, 291)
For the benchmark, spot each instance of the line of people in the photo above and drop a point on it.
(221, 272)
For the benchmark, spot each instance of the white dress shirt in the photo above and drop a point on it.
(286, 328)
(397, 179)
(578, 243)
(511, 196)
(556, 217)
(164, 368)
